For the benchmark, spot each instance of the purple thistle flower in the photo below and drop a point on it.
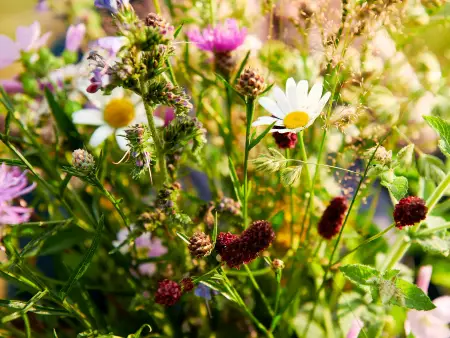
(74, 37)
(13, 184)
(220, 39)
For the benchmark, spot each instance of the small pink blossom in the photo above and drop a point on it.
(434, 323)
(13, 184)
(355, 329)
(27, 38)
(222, 38)
(74, 37)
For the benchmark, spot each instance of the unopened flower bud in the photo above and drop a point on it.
(156, 21)
(200, 245)
(277, 264)
(409, 211)
(187, 284)
(251, 83)
(82, 160)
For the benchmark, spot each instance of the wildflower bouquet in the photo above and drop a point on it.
(219, 168)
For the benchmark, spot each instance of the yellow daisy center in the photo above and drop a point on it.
(119, 113)
(296, 119)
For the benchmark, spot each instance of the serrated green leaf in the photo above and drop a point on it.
(413, 296)
(139, 332)
(431, 168)
(442, 127)
(405, 156)
(434, 244)
(85, 262)
(398, 187)
(361, 275)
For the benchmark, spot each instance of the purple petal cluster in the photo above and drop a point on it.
(111, 5)
(13, 184)
(74, 37)
(222, 38)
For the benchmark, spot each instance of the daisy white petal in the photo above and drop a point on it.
(322, 102)
(314, 94)
(100, 134)
(266, 120)
(291, 93)
(281, 99)
(271, 106)
(121, 140)
(93, 117)
(302, 94)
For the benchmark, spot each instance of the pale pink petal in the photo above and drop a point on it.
(9, 51)
(442, 310)
(42, 41)
(26, 36)
(424, 277)
(355, 329)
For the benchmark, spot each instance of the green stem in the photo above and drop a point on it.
(327, 270)
(27, 325)
(437, 193)
(157, 7)
(399, 249)
(258, 289)
(430, 231)
(368, 240)
(155, 136)
(254, 272)
(304, 157)
(212, 13)
(250, 109)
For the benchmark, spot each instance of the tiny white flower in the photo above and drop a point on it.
(294, 110)
(113, 114)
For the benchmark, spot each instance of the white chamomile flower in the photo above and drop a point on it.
(294, 110)
(113, 114)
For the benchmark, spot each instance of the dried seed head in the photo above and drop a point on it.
(154, 20)
(200, 245)
(331, 222)
(251, 83)
(168, 293)
(409, 211)
(82, 160)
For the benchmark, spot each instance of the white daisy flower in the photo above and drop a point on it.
(294, 111)
(113, 114)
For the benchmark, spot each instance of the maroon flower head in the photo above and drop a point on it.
(224, 239)
(246, 247)
(331, 222)
(285, 140)
(168, 293)
(187, 284)
(409, 211)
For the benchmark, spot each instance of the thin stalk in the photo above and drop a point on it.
(437, 193)
(27, 325)
(258, 289)
(212, 12)
(355, 195)
(322, 165)
(396, 255)
(291, 205)
(430, 231)
(304, 157)
(250, 109)
(155, 135)
(368, 240)
(254, 272)
(157, 7)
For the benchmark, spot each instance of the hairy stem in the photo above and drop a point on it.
(250, 109)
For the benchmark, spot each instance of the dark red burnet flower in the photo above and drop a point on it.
(187, 284)
(168, 293)
(236, 250)
(331, 221)
(285, 140)
(409, 211)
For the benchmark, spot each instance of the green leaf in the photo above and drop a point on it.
(434, 244)
(413, 296)
(64, 123)
(5, 100)
(258, 139)
(183, 237)
(431, 168)
(37, 309)
(38, 241)
(229, 86)
(139, 332)
(405, 156)
(277, 220)
(215, 229)
(241, 67)
(361, 275)
(178, 30)
(54, 334)
(442, 127)
(234, 180)
(398, 187)
(85, 262)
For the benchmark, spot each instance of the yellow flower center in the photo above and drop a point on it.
(119, 113)
(296, 119)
